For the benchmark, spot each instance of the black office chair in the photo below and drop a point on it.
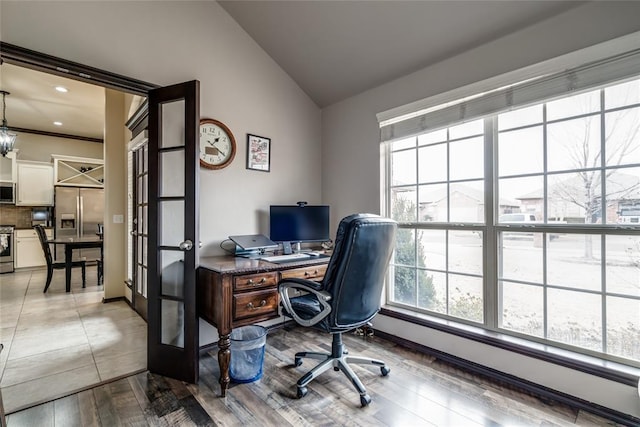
(51, 265)
(348, 297)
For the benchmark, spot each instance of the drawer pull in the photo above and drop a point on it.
(250, 306)
(260, 282)
(307, 274)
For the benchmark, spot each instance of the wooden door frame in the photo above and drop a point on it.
(31, 59)
(26, 58)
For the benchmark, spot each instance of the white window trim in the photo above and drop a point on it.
(578, 58)
(574, 59)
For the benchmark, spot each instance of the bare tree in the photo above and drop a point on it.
(586, 150)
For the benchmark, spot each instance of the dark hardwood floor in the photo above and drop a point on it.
(419, 391)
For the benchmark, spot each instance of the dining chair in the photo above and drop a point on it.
(100, 261)
(100, 269)
(52, 265)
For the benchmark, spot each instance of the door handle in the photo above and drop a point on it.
(186, 245)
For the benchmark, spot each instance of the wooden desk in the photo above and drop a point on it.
(233, 292)
(71, 243)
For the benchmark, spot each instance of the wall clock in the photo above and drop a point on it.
(217, 144)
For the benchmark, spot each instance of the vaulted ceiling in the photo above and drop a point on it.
(332, 49)
(336, 49)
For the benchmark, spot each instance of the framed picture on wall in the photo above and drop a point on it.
(258, 153)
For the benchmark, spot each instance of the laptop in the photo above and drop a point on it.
(253, 241)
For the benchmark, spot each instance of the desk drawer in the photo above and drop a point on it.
(255, 304)
(255, 281)
(312, 272)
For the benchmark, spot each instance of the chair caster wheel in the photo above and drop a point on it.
(335, 368)
(365, 399)
(298, 361)
(302, 392)
(384, 371)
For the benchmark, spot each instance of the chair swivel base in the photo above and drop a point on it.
(339, 361)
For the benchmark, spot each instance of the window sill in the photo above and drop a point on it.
(609, 370)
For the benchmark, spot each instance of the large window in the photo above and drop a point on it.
(526, 221)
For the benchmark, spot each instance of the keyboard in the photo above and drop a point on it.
(279, 258)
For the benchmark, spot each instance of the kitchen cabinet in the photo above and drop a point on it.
(28, 249)
(78, 171)
(8, 167)
(35, 183)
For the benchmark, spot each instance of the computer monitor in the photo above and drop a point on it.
(296, 224)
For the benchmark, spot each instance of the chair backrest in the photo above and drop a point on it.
(357, 269)
(42, 235)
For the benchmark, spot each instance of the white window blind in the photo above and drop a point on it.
(546, 87)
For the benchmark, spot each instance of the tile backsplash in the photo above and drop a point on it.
(20, 216)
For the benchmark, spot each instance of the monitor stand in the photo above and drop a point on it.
(249, 253)
(288, 248)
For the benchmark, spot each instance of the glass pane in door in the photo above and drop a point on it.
(171, 215)
(173, 128)
(139, 279)
(172, 323)
(172, 264)
(171, 207)
(172, 184)
(144, 281)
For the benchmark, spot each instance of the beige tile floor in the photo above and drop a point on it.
(57, 343)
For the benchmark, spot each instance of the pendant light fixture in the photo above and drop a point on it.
(7, 139)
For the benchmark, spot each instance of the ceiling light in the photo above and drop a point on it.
(7, 139)
(57, 123)
(62, 89)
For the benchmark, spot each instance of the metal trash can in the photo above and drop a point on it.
(247, 353)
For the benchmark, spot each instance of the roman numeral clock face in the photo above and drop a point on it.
(217, 144)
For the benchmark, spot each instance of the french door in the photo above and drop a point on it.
(173, 231)
(140, 226)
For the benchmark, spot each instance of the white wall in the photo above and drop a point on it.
(40, 147)
(351, 166)
(115, 205)
(170, 42)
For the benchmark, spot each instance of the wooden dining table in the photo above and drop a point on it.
(71, 243)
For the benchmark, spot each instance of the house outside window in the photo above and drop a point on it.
(526, 221)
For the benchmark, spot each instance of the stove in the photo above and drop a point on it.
(7, 248)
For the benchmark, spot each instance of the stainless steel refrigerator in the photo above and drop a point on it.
(78, 212)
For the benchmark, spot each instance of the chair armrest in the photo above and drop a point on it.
(297, 283)
(307, 286)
